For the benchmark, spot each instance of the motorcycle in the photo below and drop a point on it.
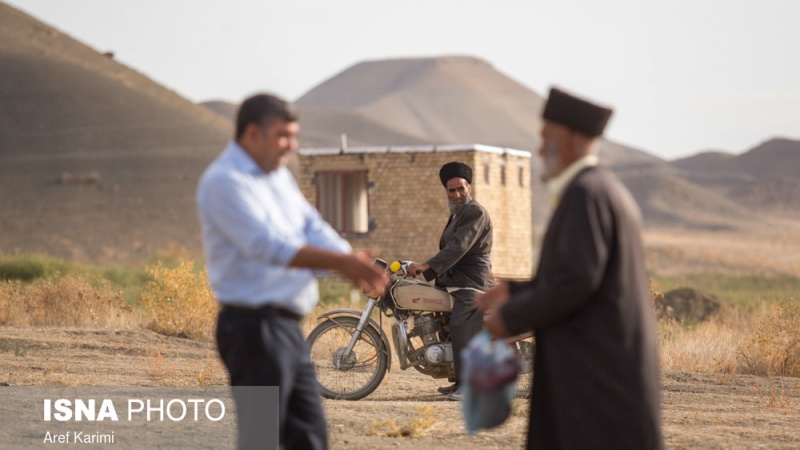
(352, 353)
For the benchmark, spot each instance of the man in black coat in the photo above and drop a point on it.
(596, 375)
(463, 264)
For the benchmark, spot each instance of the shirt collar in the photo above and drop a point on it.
(557, 185)
(241, 160)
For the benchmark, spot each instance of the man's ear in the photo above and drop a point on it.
(251, 133)
(580, 144)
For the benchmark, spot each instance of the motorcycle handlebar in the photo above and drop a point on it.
(397, 267)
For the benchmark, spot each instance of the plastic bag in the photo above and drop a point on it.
(488, 375)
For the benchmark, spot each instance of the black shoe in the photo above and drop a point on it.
(448, 389)
(456, 395)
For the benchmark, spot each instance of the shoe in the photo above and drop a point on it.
(448, 389)
(456, 395)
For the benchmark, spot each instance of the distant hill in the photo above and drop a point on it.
(440, 100)
(97, 162)
(444, 100)
(454, 99)
(667, 199)
(777, 157)
(708, 160)
(458, 99)
(225, 109)
(765, 179)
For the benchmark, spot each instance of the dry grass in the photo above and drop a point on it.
(179, 302)
(709, 347)
(773, 346)
(765, 342)
(70, 301)
(165, 370)
(422, 420)
(762, 338)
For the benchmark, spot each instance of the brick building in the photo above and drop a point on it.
(391, 198)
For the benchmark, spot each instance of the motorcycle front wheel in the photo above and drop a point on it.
(347, 377)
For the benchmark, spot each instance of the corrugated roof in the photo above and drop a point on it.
(414, 149)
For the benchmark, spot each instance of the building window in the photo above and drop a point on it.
(521, 176)
(342, 200)
(502, 173)
(486, 172)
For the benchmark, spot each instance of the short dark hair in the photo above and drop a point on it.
(260, 109)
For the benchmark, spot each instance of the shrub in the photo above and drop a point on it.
(30, 267)
(70, 301)
(335, 291)
(773, 348)
(708, 347)
(419, 422)
(180, 302)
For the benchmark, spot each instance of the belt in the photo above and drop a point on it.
(265, 309)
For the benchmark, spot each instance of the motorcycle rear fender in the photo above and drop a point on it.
(370, 323)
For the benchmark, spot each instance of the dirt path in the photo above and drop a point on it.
(700, 410)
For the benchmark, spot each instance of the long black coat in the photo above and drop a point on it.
(465, 250)
(596, 380)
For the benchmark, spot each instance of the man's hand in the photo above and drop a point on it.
(493, 322)
(358, 267)
(490, 303)
(415, 269)
(497, 295)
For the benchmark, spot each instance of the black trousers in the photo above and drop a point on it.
(465, 322)
(267, 349)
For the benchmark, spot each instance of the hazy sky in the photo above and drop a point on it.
(682, 75)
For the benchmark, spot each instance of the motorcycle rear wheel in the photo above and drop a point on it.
(526, 349)
(355, 376)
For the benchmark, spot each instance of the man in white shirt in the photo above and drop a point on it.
(262, 241)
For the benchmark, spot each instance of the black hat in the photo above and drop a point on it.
(455, 170)
(575, 113)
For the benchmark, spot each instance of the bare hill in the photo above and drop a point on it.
(774, 158)
(764, 179)
(323, 128)
(97, 162)
(667, 199)
(225, 109)
(445, 100)
(708, 160)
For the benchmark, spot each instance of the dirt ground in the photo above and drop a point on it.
(700, 410)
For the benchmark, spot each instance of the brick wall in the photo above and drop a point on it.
(409, 205)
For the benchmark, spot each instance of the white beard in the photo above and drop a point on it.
(549, 161)
(456, 208)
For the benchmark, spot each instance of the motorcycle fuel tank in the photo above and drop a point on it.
(416, 295)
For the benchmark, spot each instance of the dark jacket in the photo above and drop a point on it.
(596, 376)
(465, 249)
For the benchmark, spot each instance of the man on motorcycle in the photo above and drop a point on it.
(463, 264)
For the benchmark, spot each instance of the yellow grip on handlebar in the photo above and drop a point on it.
(395, 266)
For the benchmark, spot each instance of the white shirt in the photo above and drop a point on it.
(557, 185)
(253, 224)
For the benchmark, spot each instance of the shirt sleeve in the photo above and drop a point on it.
(467, 232)
(320, 234)
(229, 204)
(572, 269)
